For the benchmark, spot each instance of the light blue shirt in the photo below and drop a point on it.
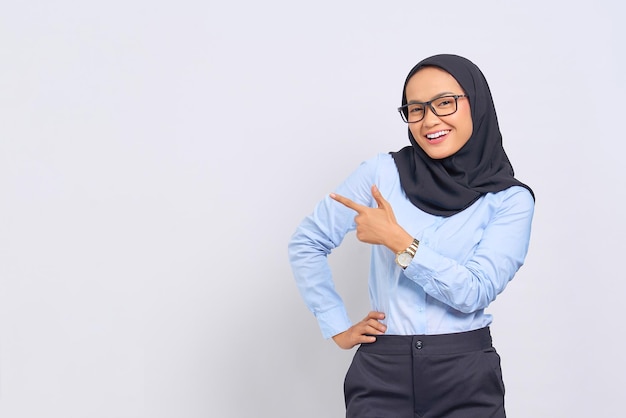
(463, 261)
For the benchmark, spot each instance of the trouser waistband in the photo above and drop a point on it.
(460, 342)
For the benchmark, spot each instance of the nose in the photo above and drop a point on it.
(430, 119)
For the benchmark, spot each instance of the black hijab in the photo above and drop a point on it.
(449, 185)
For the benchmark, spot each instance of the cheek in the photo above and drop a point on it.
(465, 126)
(415, 130)
(467, 132)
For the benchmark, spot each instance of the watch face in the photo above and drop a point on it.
(404, 259)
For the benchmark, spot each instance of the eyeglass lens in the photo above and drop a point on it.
(442, 106)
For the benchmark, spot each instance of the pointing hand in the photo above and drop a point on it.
(377, 225)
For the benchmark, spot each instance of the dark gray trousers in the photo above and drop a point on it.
(426, 376)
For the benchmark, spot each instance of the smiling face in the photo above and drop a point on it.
(439, 136)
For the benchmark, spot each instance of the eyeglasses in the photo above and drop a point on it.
(441, 106)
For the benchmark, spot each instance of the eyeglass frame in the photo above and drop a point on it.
(429, 105)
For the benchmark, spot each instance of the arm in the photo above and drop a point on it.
(467, 285)
(312, 242)
(309, 247)
(473, 284)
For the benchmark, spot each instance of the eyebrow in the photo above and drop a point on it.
(438, 95)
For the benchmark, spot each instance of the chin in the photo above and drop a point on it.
(439, 155)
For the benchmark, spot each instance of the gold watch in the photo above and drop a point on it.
(404, 258)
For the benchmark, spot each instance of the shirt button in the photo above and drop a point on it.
(419, 344)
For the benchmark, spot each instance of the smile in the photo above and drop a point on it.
(436, 135)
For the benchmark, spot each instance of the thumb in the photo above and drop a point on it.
(378, 197)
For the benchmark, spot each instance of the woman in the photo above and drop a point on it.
(450, 227)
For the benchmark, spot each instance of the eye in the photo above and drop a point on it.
(416, 108)
(445, 102)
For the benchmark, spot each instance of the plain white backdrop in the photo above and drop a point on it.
(156, 156)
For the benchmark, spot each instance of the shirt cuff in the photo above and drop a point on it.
(425, 265)
(334, 321)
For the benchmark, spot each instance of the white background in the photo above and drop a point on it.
(156, 156)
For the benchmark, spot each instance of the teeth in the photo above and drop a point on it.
(436, 134)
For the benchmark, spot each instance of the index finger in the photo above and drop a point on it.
(347, 202)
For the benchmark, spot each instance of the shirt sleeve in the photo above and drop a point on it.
(315, 238)
(475, 283)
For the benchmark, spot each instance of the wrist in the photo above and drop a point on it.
(405, 257)
(399, 241)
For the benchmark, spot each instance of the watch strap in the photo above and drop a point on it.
(412, 249)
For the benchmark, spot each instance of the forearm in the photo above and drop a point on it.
(468, 275)
(466, 288)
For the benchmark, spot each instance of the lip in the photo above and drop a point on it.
(439, 139)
